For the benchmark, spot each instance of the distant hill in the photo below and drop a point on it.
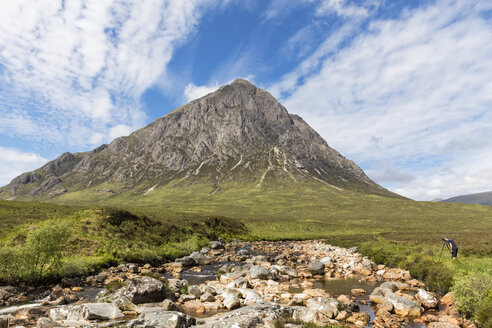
(236, 141)
(481, 198)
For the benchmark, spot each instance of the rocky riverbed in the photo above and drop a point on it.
(239, 284)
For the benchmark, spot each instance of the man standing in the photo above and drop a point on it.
(452, 247)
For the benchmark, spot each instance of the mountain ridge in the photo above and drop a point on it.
(479, 198)
(237, 134)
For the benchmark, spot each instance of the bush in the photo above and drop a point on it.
(11, 264)
(44, 249)
(392, 254)
(40, 255)
(437, 277)
(471, 293)
(484, 313)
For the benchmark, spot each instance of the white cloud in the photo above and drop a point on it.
(415, 91)
(119, 130)
(15, 162)
(193, 91)
(344, 8)
(81, 66)
(469, 175)
(389, 174)
(279, 7)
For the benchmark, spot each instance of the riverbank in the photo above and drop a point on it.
(249, 283)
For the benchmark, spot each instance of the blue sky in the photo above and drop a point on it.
(402, 87)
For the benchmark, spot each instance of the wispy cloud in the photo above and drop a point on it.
(279, 7)
(415, 92)
(345, 8)
(74, 71)
(193, 91)
(15, 162)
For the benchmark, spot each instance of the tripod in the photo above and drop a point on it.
(444, 243)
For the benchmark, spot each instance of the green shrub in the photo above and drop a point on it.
(44, 249)
(437, 277)
(11, 264)
(471, 293)
(484, 313)
(40, 255)
(74, 266)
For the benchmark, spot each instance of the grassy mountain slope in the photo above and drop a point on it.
(482, 198)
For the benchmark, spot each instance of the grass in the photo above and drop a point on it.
(309, 210)
(91, 239)
(14, 213)
(393, 231)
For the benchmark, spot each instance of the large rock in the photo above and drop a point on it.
(230, 277)
(305, 314)
(193, 307)
(377, 297)
(4, 322)
(327, 261)
(427, 299)
(186, 261)
(324, 305)
(251, 296)
(442, 325)
(285, 270)
(388, 285)
(243, 254)
(260, 272)
(241, 283)
(365, 268)
(207, 297)
(195, 291)
(6, 292)
(140, 290)
(231, 301)
(257, 259)
(404, 306)
(258, 315)
(162, 319)
(46, 323)
(87, 311)
(199, 258)
(216, 244)
(316, 267)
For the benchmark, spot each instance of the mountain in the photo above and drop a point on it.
(481, 198)
(238, 137)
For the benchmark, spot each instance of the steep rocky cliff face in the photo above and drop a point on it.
(239, 134)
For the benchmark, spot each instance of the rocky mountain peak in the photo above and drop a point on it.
(238, 134)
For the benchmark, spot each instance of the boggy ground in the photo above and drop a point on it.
(240, 284)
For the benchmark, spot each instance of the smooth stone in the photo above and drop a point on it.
(259, 272)
(316, 267)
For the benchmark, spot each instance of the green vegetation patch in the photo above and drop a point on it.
(473, 293)
(91, 239)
